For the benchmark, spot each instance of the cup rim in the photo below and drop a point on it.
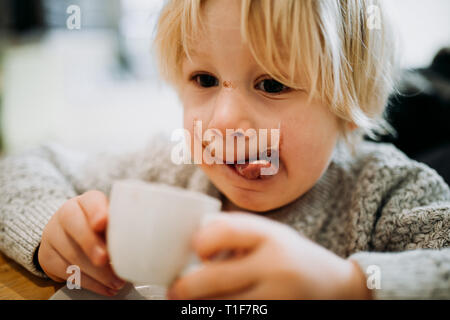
(169, 189)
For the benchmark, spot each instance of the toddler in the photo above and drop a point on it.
(338, 218)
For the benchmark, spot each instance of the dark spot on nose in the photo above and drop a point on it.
(227, 84)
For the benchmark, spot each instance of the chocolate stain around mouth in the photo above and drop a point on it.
(251, 170)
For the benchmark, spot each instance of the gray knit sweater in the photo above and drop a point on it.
(377, 207)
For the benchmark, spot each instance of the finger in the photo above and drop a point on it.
(53, 276)
(95, 206)
(50, 261)
(75, 224)
(93, 285)
(226, 233)
(255, 292)
(72, 253)
(59, 270)
(215, 278)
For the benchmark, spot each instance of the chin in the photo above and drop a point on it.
(259, 208)
(250, 195)
(254, 201)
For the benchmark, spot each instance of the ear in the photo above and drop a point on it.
(352, 126)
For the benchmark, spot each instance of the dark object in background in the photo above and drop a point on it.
(23, 15)
(420, 114)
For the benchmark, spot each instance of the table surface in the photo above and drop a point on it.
(17, 283)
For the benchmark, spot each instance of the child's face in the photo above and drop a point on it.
(250, 99)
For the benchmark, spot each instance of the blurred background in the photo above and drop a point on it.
(95, 85)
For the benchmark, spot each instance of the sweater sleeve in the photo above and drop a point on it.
(410, 254)
(32, 188)
(35, 184)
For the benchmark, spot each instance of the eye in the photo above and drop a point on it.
(272, 86)
(205, 80)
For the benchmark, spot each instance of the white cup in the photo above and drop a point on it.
(150, 229)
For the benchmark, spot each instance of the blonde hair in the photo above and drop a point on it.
(341, 51)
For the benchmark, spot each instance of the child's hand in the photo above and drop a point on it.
(74, 236)
(273, 262)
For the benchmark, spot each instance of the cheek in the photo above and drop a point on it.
(191, 116)
(194, 109)
(308, 144)
(188, 121)
(309, 156)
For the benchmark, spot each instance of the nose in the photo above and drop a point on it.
(231, 111)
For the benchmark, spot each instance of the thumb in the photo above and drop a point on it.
(227, 233)
(95, 206)
(99, 225)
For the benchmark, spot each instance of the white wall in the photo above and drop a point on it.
(62, 89)
(424, 26)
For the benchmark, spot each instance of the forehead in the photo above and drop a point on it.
(220, 20)
(219, 42)
(222, 13)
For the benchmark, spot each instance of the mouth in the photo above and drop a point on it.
(266, 167)
(251, 170)
(255, 169)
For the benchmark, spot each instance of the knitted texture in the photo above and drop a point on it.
(377, 207)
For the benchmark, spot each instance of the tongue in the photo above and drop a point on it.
(252, 170)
